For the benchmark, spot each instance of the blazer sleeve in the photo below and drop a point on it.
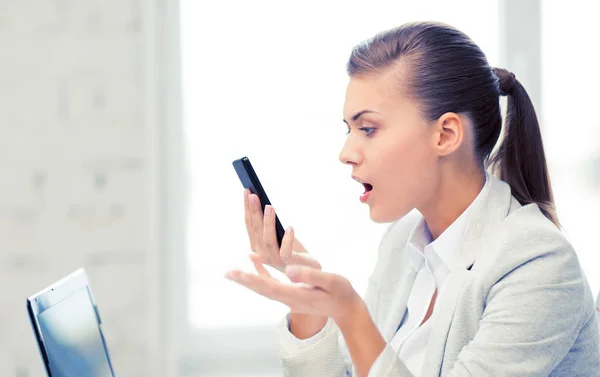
(327, 355)
(532, 318)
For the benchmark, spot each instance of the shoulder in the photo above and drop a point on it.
(512, 234)
(527, 249)
(525, 234)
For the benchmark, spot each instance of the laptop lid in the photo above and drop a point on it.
(68, 330)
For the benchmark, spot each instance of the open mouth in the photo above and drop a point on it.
(367, 186)
(365, 196)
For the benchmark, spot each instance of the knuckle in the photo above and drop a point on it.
(269, 244)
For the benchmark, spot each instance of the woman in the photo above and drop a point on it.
(479, 281)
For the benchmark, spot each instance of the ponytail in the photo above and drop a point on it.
(520, 160)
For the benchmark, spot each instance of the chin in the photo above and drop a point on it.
(381, 218)
(386, 217)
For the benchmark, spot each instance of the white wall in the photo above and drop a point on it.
(78, 171)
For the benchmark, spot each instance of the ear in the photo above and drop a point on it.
(449, 133)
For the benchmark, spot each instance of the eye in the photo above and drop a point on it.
(367, 130)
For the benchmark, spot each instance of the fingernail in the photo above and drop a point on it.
(289, 229)
(252, 199)
(268, 210)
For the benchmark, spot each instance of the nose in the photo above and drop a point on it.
(349, 154)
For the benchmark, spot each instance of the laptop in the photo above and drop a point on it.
(67, 326)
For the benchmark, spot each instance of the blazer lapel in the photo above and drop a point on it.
(393, 300)
(443, 317)
(497, 200)
(396, 279)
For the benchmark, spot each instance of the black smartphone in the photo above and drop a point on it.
(250, 180)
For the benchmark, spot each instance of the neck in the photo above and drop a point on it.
(452, 196)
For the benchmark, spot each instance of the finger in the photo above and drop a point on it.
(262, 271)
(314, 277)
(270, 288)
(300, 298)
(271, 247)
(248, 219)
(257, 226)
(285, 253)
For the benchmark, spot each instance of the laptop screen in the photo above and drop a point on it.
(72, 338)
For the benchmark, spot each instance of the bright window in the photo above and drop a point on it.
(570, 99)
(267, 79)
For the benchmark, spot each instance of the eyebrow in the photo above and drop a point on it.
(358, 115)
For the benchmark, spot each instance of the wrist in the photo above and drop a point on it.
(304, 326)
(362, 337)
(355, 314)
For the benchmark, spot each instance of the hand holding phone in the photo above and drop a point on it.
(250, 181)
(268, 239)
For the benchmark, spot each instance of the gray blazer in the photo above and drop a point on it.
(516, 303)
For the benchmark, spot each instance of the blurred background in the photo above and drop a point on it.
(119, 121)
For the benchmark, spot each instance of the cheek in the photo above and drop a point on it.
(407, 157)
(406, 179)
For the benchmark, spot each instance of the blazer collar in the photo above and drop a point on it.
(497, 203)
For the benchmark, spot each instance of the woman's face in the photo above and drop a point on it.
(389, 145)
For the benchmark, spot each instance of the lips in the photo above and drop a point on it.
(367, 186)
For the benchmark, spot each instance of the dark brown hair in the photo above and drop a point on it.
(445, 71)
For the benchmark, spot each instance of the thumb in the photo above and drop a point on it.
(311, 276)
(304, 259)
(285, 252)
(289, 256)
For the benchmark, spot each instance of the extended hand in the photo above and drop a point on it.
(315, 292)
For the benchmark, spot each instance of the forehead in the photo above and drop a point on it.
(375, 91)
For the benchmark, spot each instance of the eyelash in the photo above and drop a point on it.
(368, 133)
